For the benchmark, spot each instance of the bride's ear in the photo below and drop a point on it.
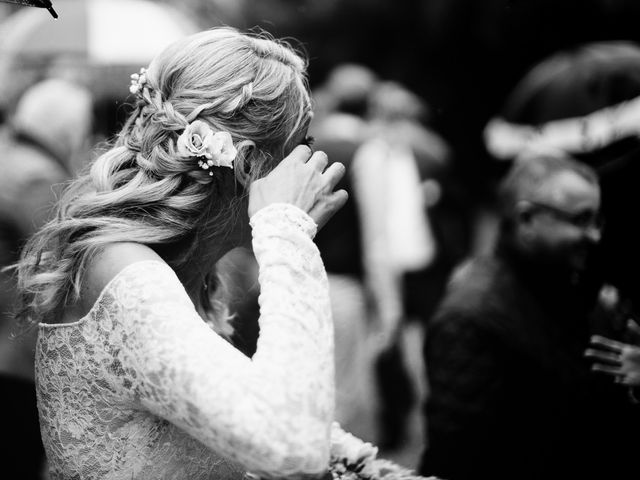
(242, 163)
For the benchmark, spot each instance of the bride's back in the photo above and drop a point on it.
(91, 418)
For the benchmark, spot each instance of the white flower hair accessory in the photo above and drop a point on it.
(211, 149)
(138, 81)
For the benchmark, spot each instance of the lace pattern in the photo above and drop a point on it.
(142, 388)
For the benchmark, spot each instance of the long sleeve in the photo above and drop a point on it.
(272, 414)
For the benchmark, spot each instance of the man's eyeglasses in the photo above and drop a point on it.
(583, 219)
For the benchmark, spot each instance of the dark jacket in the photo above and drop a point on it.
(511, 395)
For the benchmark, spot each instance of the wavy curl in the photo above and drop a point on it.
(139, 190)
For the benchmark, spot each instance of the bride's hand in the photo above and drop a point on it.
(301, 180)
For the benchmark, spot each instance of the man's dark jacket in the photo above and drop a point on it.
(511, 395)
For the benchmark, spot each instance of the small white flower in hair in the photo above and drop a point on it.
(212, 149)
(194, 141)
(222, 152)
(138, 81)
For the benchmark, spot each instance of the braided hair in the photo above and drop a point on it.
(140, 190)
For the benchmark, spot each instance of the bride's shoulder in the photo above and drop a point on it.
(114, 258)
(102, 269)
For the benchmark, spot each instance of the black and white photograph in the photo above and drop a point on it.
(319, 239)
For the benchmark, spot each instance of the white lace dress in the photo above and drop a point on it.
(142, 388)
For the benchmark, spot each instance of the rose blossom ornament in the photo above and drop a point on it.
(212, 149)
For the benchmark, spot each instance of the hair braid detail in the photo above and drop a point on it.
(141, 191)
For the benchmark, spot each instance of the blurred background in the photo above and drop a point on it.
(462, 57)
(432, 72)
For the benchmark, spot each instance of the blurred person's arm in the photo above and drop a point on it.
(370, 192)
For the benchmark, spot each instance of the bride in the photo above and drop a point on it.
(131, 380)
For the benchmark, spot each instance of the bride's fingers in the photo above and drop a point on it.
(327, 206)
(299, 154)
(606, 357)
(332, 176)
(319, 161)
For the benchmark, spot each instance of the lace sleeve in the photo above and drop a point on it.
(272, 414)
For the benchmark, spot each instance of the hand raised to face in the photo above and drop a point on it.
(301, 179)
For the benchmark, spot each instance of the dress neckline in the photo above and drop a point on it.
(101, 296)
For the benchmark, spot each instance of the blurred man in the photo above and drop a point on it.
(585, 101)
(511, 396)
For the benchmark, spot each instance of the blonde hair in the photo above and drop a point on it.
(139, 190)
